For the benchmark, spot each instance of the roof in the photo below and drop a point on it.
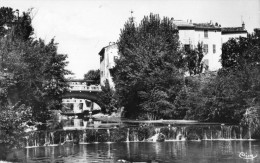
(196, 26)
(207, 26)
(229, 30)
(78, 80)
(103, 49)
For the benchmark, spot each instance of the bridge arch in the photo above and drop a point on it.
(93, 96)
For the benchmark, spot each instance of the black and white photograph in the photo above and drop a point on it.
(130, 81)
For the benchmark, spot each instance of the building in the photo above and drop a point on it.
(108, 55)
(210, 35)
(232, 32)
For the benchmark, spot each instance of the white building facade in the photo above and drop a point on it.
(108, 55)
(210, 36)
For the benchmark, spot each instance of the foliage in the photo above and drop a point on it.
(194, 59)
(251, 118)
(241, 51)
(107, 96)
(227, 97)
(149, 72)
(31, 73)
(93, 75)
(19, 26)
(37, 76)
(12, 125)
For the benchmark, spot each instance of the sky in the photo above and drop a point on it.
(83, 27)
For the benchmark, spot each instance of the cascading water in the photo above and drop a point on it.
(127, 135)
(241, 131)
(136, 136)
(148, 133)
(205, 135)
(157, 130)
(108, 134)
(249, 133)
(96, 137)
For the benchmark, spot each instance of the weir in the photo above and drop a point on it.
(137, 134)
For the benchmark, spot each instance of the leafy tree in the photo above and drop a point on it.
(194, 59)
(32, 73)
(149, 72)
(12, 126)
(11, 22)
(241, 51)
(93, 75)
(107, 97)
(227, 97)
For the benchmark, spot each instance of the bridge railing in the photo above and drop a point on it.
(91, 88)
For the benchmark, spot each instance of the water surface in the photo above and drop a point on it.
(176, 151)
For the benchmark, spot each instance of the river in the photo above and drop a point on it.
(154, 152)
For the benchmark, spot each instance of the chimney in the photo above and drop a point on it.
(243, 25)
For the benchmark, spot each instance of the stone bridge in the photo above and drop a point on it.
(80, 89)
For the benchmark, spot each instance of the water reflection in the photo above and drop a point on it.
(180, 152)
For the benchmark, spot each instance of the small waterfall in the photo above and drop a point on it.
(234, 134)
(108, 134)
(157, 130)
(47, 142)
(136, 137)
(51, 138)
(205, 135)
(211, 136)
(222, 132)
(180, 135)
(240, 132)
(96, 137)
(35, 140)
(127, 135)
(249, 133)
(84, 136)
(27, 141)
(174, 133)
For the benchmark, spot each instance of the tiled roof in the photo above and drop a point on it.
(186, 25)
(225, 30)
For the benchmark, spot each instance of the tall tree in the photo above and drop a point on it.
(241, 51)
(33, 73)
(194, 59)
(149, 72)
(93, 75)
(236, 88)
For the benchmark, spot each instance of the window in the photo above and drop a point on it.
(115, 58)
(206, 48)
(206, 34)
(214, 48)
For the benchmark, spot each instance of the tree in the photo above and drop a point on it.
(107, 96)
(194, 59)
(149, 72)
(11, 22)
(241, 51)
(235, 89)
(93, 75)
(33, 72)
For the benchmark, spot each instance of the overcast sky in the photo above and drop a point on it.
(83, 27)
